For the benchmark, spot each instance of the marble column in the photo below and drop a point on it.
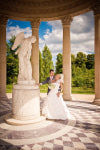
(66, 58)
(3, 22)
(97, 55)
(35, 50)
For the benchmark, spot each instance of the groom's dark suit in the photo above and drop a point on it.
(47, 81)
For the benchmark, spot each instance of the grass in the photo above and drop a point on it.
(9, 88)
(43, 89)
(82, 90)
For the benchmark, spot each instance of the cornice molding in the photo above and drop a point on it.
(37, 3)
(44, 9)
(40, 6)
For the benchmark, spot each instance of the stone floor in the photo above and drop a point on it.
(81, 132)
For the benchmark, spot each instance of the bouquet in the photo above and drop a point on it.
(51, 85)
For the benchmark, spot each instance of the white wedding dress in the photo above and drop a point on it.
(55, 108)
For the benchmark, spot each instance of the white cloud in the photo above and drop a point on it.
(83, 23)
(55, 24)
(11, 30)
(54, 38)
(82, 35)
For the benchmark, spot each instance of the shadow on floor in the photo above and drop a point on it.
(7, 146)
(88, 126)
(84, 107)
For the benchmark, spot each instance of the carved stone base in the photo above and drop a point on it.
(25, 105)
(10, 120)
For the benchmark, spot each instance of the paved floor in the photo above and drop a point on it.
(79, 97)
(81, 132)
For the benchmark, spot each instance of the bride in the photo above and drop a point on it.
(55, 107)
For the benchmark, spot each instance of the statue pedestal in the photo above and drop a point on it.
(25, 104)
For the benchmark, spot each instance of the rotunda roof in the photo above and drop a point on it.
(43, 9)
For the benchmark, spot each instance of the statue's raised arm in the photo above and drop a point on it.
(24, 55)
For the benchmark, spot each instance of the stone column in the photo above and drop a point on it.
(66, 58)
(97, 54)
(35, 50)
(3, 21)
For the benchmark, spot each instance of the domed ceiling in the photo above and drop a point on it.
(43, 9)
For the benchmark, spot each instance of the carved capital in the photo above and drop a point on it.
(96, 8)
(66, 20)
(3, 19)
(35, 23)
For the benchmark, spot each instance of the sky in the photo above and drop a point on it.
(51, 34)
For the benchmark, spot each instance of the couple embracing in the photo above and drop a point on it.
(55, 107)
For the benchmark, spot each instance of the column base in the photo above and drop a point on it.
(16, 122)
(67, 98)
(96, 102)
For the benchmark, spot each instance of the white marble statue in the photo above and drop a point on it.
(24, 55)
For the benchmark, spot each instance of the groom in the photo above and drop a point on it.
(49, 79)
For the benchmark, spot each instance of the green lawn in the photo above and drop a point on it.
(9, 88)
(75, 90)
(81, 90)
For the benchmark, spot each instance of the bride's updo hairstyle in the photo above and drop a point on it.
(57, 77)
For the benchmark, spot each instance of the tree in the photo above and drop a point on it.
(83, 70)
(12, 63)
(59, 63)
(12, 69)
(9, 46)
(90, 61)
(80, 59)
(40, 67)
(47, 62)
(77, 80)
(73, 59)
(73, 67)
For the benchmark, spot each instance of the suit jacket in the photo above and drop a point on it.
(47, 81)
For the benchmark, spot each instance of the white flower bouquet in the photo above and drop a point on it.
(51, 86)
